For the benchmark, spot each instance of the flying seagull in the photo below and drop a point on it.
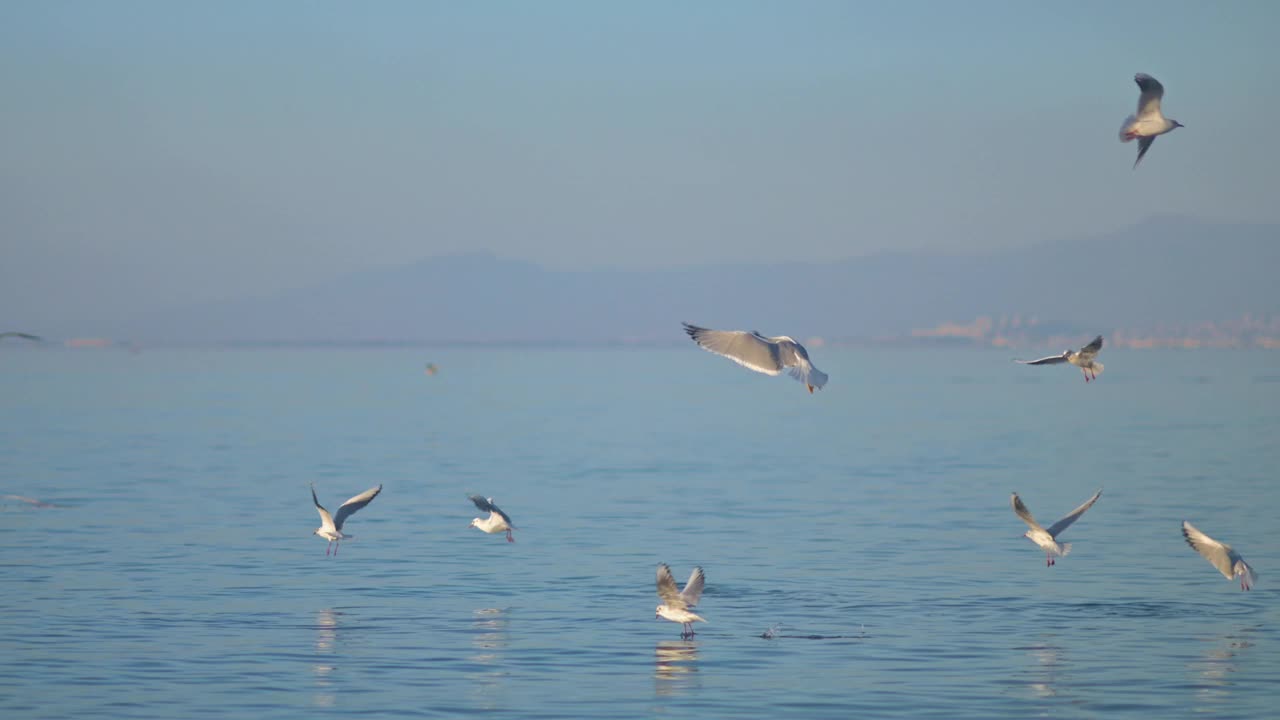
(1148, 122)
(1220, 555)
(331, 526)
(1048, 539)
(676, 604)
(24, 336)
(1084, 358)
(496, 522)
(769, 355)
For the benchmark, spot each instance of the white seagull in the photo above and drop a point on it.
(1085, 358)
(1148, 122)
(497, 521)
(769, 355)
(1220, 555)
(330, 526)
(676, 603)
(1048, 539)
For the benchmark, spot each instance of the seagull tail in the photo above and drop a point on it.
(1124, 129)
(817, 378)
(1097, 368)
(1066, 549)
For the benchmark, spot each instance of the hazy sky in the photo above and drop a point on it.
(156, 152)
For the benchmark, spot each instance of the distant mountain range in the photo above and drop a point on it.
(1167, 272)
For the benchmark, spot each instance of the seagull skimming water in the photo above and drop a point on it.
(331, 525)
(1148, 123)
(1220, 555)
(1085, 358)
(497, 521)
(1048, 539)
(676, 604)
(769, 355)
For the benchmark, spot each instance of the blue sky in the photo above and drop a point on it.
(159, 152)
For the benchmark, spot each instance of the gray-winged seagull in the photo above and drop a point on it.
(1148, 123)
(769, 355)
(1085, 358)
(331, 525)
(1048, 539)
(676, 604)
(1220, 555)
(497, 521)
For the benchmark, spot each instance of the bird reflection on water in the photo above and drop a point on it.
(1211, 673)
(1046, 671)
(490, 640)
(675, 666)
(323, 667)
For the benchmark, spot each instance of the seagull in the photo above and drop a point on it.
(769, 355)
(330, 526)
(1084, 358)
(1220, 555)
(497, 520)
(24, 336)
(1048, 539)
(677, 603)
(1149, 122)
(431, 369)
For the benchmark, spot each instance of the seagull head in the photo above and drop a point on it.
(475, 522)
(658, 612)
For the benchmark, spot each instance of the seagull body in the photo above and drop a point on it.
(1047, 539)
(1086, 358)
(1220, 555)
(331, 525)
(677, 604)
(768, 355)
(1149, 122)
(497, 521)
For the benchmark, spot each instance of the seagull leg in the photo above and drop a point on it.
(335, 548)
(810, 389)
(327, 548)
(509, 538)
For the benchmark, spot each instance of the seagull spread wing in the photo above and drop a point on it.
(24, 336)
(326, 520)
(750, 350)
(1092, 348)
(1051, 360)
(353, 505)
(1072, 516)
(1022, 512)
(1144, 144)
(1219, 554)
(693, 589)
(486, 505)
(667, 589)
(1152, 92)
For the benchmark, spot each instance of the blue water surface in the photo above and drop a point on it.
(867, 525)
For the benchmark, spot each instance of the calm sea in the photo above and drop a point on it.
(868, 524)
